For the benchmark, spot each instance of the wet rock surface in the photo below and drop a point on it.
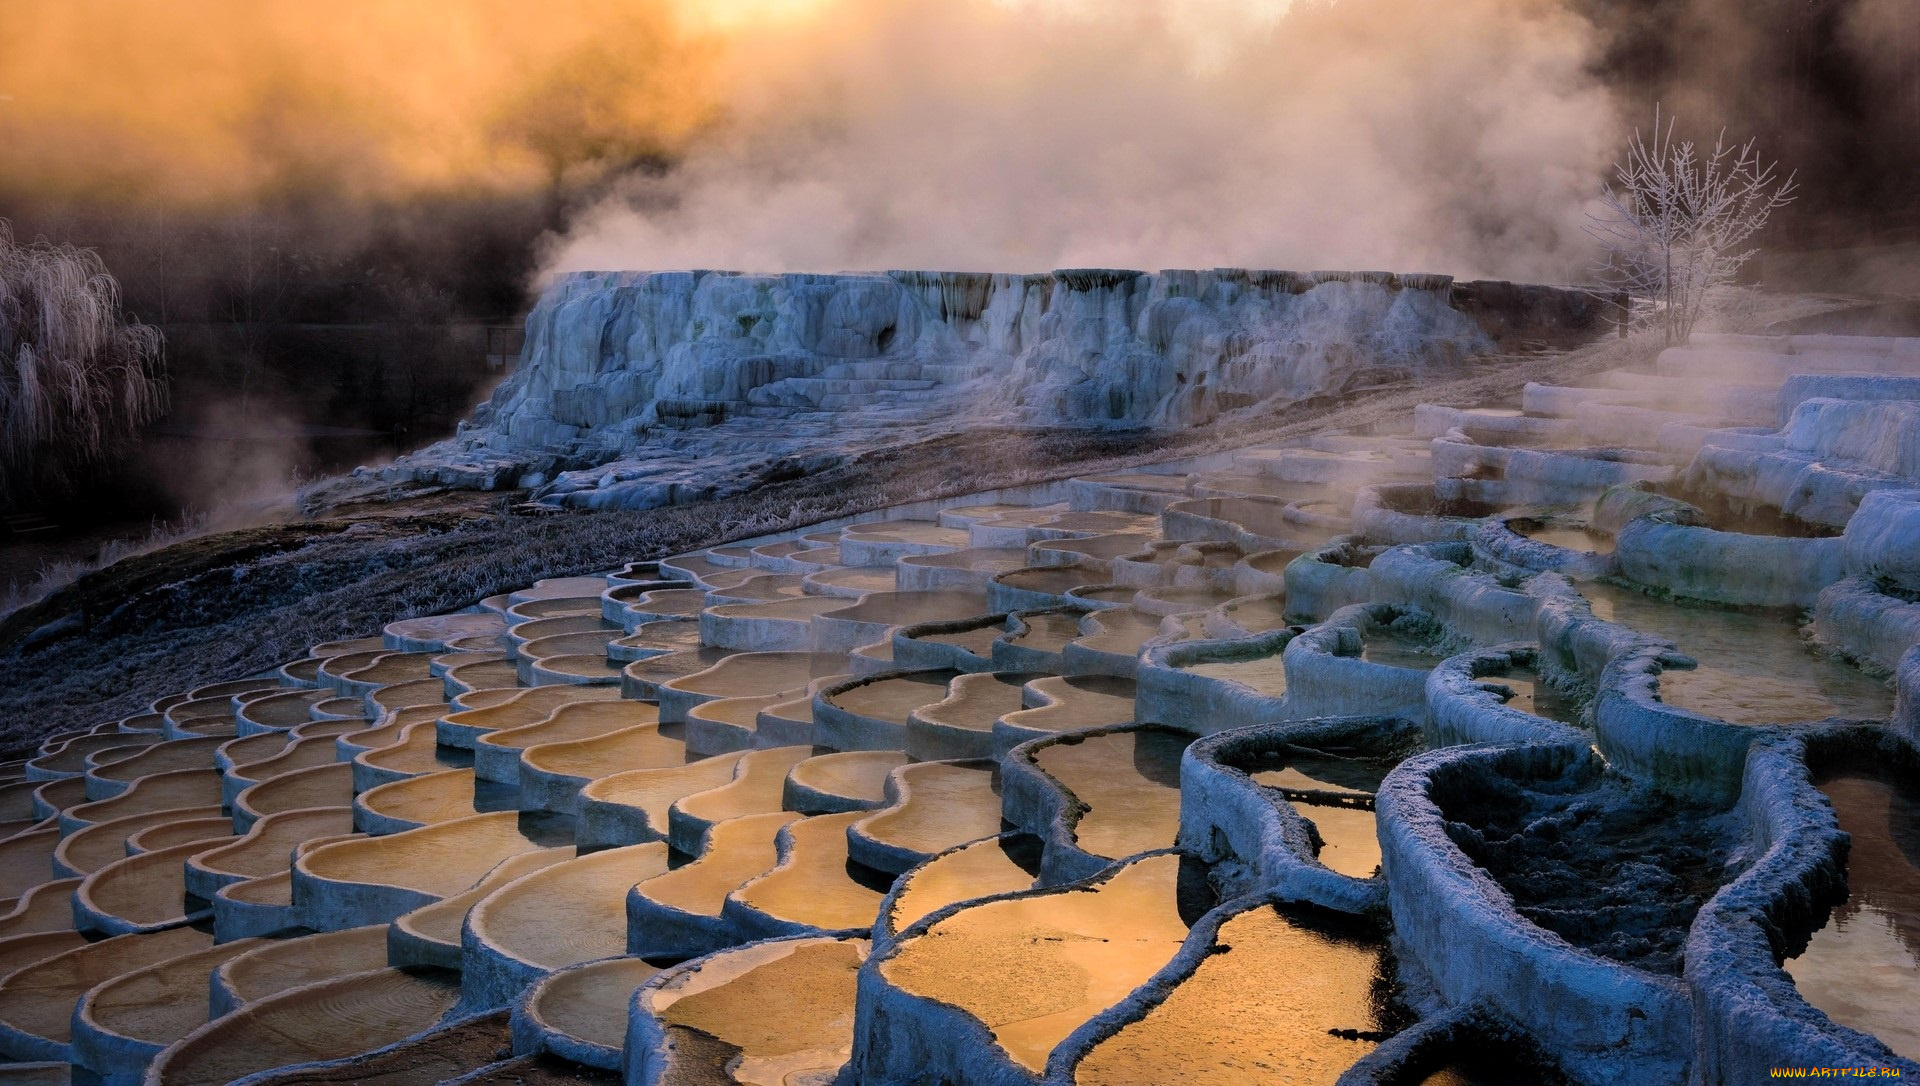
(1611, 868)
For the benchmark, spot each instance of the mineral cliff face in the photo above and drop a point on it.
(637, 389)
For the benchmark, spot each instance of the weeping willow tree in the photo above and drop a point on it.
(77, 377)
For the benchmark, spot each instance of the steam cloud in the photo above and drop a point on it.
(1462, 137)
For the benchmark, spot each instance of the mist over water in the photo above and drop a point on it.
(1461, 137)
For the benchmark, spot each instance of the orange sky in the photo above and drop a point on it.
(204, 99)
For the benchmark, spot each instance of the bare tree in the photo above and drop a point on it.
(1677, 226)
(77, 378)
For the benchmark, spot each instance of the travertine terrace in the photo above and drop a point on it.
(1508, 742)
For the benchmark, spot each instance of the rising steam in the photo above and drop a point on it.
(1462, 137)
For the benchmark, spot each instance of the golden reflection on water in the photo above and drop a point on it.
(1265, 1007)
(1863, 967)
(786, 1007)
(1754, 668)
(1034, 969)
(1130, 782)
(1266, 674)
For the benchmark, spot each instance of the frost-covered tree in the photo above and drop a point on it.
(1677, 222)
(77, 377)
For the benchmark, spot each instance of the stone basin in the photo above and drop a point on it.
(88, 850)
(327, 785)
(1861, 968)
(642, 679)
(274, 966)
(632, 806)
(852, 582)
(140, 893)
(351, 883)
(778, 1012)
(417, 753)
(124, 1023)
(656, 639)
(1003, 864)
(815, 888)
(678, 914)
(1032, 969)
(1754, 668)
(936, 806)
(44, 908)
(1264, 674)
(159, 792)
(71, 757)
(561, 915)
(962, 725)
(211, 828)
(266, 849)
(1067, 703)
(746, 675)
(874, 616)
(37, 1001)
(496, 754)
(1088, 550)
(430, 934)
(463, 727)
(1129, 784)
(300, 756)
(834, 783)
(115, 777)
(757, 787)
(552, 774)
(1320, 976)
(968, 568)
(252, 748)
(1044, 632)
(329, 1020)
(582, 1011)
(1566, 536)
(412, 802)
(872, 713)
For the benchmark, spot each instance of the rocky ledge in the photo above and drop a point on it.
(641, 389)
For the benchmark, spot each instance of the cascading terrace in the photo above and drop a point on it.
(1420, 756)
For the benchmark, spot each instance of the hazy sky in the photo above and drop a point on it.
(824, 134)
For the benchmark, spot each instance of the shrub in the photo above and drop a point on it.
(77, 377)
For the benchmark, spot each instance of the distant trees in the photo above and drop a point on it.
(1677, 226)
(77, 378)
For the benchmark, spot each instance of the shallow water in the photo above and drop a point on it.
(1130, 782)
(1264, 674)
(1350, 839)
(1395, 651)
(1317, 976)
(1863, 968)
(1034, 969)
(1046, 631)
(945, 805)
(782, 1010)
(1535, 696)
(1260, 615)
(892, 699)
(1754, 667)
(978, 641)
(998, 865)
(1573, 539)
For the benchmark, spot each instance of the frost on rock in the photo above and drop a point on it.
(641, 389)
